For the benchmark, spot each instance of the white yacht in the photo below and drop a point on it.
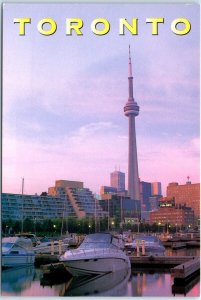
(153, 246)
(99, 253)
(17, 251)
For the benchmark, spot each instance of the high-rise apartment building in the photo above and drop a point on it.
(66, 198)
(188, 194)
(18, 207)
(117, 180)
(80, 201)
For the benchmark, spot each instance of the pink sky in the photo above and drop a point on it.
(63, 98)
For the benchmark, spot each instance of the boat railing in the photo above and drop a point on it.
(75, 252)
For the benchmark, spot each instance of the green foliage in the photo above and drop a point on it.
(28, 225)
(54, 227)
(16, 226)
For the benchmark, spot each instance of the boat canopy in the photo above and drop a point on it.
(147, 238)
(9, 242)
(98, 240)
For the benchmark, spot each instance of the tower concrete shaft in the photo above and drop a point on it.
(131, 110)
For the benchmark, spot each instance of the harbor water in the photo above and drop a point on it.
(30, 281)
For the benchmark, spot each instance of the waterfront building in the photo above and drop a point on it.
(66, 198)
(156, 188)
(167, 202)
(18, 207)
(145, 194)
(80, 201)
(121, 208)
(131, 110)
(188, 194)
(154, 202)
(145, 217)
(173, 214)
(117, 180)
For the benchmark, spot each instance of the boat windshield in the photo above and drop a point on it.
(147, 238)
(97, 241)
(6, 246)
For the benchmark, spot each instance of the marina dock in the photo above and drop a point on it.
(184, 288)
(142, 261)
(159, 261)
(184, 271)
(181, 244)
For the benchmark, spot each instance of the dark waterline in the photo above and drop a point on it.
(30, 282)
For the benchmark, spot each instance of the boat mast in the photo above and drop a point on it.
(22, 225)
(121, 213)
(108, 220)
(95, 213)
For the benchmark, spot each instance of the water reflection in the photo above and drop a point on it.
(28, 281)
(31, 282)
(148, 283)
(13, 281)
(111, 284)
(25, 281)
(143, 283)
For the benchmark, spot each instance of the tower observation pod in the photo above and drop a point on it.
(131, 110)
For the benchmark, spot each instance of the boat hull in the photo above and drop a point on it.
(81, 267)
(99, 254)
(9, 261)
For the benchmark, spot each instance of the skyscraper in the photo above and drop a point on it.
(156, 188)
(131, 110)
(145, 193)
(117, 180)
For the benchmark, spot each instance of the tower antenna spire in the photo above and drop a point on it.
(130, 64)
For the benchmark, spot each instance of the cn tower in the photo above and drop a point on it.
(131, 110)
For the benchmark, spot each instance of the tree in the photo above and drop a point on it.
(17, 226)
(43, 194)
(28, 225)
(47, 226)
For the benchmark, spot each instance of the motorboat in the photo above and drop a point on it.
(152, 245)
(17, 251)
(47, 245)
(99, 253)
(166, 237)
(31, 236)
(72, 239)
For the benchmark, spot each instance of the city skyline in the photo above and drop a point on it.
(63, 98)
